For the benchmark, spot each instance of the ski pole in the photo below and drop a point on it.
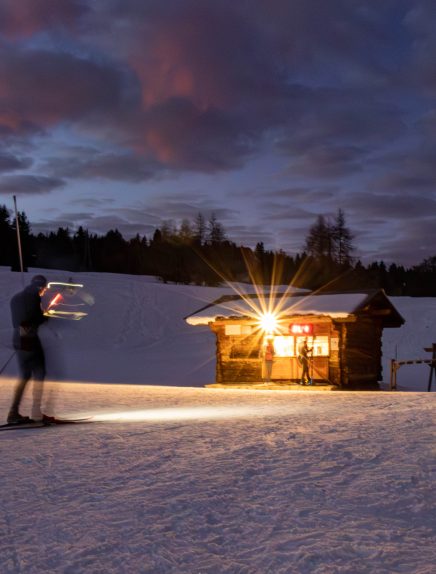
(7, 363)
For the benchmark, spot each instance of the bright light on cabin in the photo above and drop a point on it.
(268, 322)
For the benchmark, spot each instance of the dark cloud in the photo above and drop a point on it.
(10, 162)
(410, 170)
(87, 163)
(91, 202)
(290, 213)
(26, 17)
(392, 208)
(410, 182)
(209, 81)
(29, 184)
(409, 242)
(421, 69)
(182, 135)
(45, 88)
(328, 161)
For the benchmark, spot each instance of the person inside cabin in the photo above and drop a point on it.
(268, 357)
(303, 359)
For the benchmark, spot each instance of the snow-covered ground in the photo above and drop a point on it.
(176, 478)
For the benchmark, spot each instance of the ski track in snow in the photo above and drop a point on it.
(242, 482)
(181, 480)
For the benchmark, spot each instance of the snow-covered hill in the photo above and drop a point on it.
(171, 479)
(135, 333)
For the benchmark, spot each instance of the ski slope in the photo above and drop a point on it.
(176, 478)
(135, 333)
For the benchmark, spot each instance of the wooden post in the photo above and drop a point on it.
(393, 380)
(343, 374)
(431, 349)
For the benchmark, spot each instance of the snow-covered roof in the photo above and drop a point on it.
(337, 305)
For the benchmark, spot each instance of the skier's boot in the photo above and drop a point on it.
(17, 419)
(47, 420)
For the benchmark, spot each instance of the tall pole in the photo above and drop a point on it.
(20, 253)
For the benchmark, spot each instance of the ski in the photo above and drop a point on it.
(70, 421)
(29, 425)
(42, 424)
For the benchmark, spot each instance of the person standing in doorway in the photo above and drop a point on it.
(303, 359)
(27, 316)
(268, 359)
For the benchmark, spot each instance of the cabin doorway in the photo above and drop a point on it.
(286, 350)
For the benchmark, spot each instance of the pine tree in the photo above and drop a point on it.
(342, 240)
(186, 233)
(199, 229)
(6, 236)
(319, 241)
(259, 250)
(168, 231)
(216, 234)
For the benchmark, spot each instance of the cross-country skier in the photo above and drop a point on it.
(27, 316)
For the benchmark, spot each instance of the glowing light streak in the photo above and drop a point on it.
(56, 299)
(71, 315)
(62, 284)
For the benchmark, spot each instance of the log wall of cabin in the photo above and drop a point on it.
(336, 353)
(238, 357)
(363, 353)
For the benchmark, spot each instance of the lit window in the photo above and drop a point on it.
(233, 329)
(320, 345)
(283, 346)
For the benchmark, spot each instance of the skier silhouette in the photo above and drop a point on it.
(27, 316)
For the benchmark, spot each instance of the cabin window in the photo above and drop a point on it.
(284, 346)
(235, 330)
(319, 344)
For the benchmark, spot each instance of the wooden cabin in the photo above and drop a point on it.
(343, 332)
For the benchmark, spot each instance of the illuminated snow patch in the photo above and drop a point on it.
(185, 413)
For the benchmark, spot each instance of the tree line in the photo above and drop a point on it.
(199, 252)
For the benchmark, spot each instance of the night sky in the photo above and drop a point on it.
(125, 113)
